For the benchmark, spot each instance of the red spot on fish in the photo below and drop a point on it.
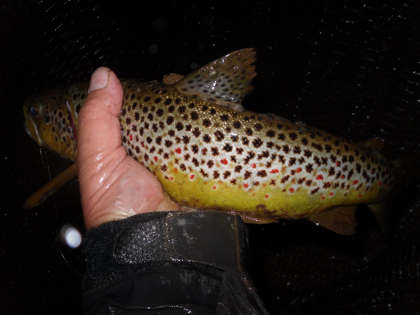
(142, 144)
(267, 196)
(342, 176)
(274, 171)
(253, 165)
(155, 158)
(355, 182)
(320, 177)
(322, 197)
(338, 163)
(178, 150)
(192, 176)
(331, 193)
(171, 178)
(224, 161)
(131, 137)
(292, 190)
(298, 170)
(214, 187)
(246, 185)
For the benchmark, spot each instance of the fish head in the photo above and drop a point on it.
(48, 121)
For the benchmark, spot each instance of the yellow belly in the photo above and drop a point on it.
(262, 201)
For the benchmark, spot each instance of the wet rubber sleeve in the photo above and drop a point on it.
(169, 263)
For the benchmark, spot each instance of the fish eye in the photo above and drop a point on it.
(33, 111)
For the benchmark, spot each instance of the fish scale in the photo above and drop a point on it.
(209, 153)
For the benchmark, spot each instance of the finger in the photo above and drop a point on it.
(99, 129)
(99, 142)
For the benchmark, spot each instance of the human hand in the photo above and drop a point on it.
(113, 185)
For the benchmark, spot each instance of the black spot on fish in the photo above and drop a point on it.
(186, 139)
(169, 120)
(179, 126)
(227, 147)
(293, 136)
(196, 132)
(206, 138)
(292, 161)
(224, 117)
(236, 124)
(206, 122)
(270, 133)
(257, 142)
(219, 135)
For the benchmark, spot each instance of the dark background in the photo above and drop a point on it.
(349, 67)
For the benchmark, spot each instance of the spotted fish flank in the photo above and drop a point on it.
(208, 153)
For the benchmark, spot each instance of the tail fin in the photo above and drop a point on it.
(407, 167)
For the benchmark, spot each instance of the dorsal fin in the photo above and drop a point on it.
(224, 81)
(171, 78)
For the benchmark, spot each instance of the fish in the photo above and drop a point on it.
(208, 152)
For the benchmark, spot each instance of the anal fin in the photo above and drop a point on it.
(341, 220)
(52, 186)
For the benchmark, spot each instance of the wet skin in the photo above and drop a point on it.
(113, 185)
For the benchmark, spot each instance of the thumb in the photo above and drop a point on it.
(99, 135)
(99, 129)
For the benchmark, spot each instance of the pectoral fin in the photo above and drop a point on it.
(52, 186)
(224, 81)
(341, 220)
(256, 220)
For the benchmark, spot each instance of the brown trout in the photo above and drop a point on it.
(208, 153)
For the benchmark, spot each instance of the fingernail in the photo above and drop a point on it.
(99, 79)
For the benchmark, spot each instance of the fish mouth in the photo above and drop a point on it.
(31, 128)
